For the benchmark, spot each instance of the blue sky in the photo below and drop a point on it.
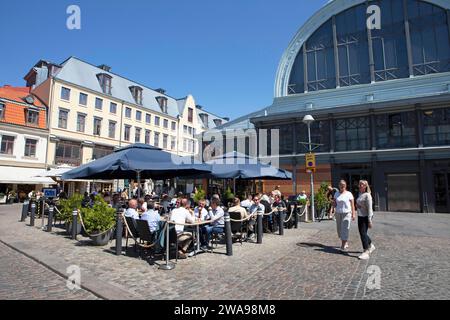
(225, 53)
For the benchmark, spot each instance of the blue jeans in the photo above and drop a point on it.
(207, 231)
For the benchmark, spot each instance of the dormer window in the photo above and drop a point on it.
(136, 92)
(32, 116)
(162, 101)
(105, 82)
(2, 111)
(204, 118)
(218, 122)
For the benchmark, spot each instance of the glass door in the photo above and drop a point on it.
(442, 192)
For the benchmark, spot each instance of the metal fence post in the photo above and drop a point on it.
(228, 234)
(119, 230)
(50, 218)
(33, 213)
(295, 213)
(168, 265)
(74, 223)
(259, 226)
(281, 224)
(25, 206)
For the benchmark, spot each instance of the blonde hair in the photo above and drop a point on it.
(366, 184)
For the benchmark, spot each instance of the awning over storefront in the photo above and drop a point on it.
(17, 175)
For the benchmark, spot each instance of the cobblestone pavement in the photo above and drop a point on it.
(412, 260)
(24, 278)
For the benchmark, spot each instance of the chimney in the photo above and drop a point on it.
(161, 90)
(226, 118)
(105, 67)
(7, 86)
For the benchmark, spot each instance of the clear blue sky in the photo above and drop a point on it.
(225, 53)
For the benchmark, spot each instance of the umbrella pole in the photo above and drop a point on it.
(138, 178)
(234, 186)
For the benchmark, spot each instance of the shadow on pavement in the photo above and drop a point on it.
(326, 249)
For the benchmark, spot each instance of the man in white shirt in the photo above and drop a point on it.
(131, 211)
(216, 215)
(247, 203)
(182, 215)
(200, 212)
(151, 216)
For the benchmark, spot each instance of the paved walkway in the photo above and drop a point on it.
(412, 260)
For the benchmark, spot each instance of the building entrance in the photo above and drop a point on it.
(442, 192)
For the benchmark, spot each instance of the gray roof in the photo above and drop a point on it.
(85, 74)
(211, 117)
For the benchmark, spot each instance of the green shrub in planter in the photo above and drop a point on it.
(320, 197)
(199, 195)
(302, 202)
(99, 218)
(66, 207)
(228, 194)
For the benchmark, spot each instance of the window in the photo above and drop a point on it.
(113, 107)
(190, 115)
(97, 126)
(156, 139)
(396, 130)
(320, 134)
(137, 135)
(162, 101)
(165, 139)
(157, 119)
(147, 136)
(352, 134)
(105, 82)
(98, 103)
(7, 145)
(190, 131)
(138, 115)
(172, 143)
(173, 126)
(128, 112)
(217, 122)
(286, 138)
(65, 93)
(126, 133)
(83, 99)
(185, 145)
(148, 118)
(112, 129)
(436, 127)
(62, 118)
(2, 111)
(166, 123)
(32, 117)
(81, 122)
(68, 153)
(101, 151)
(30, 148)
(429, 38)
(136, 92)
(185, 129)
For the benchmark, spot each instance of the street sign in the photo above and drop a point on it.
(310, 162)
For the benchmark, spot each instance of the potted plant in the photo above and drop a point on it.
(199, 195)
(99, 221)
(66, 208)
(320, 198)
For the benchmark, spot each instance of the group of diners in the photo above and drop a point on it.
(199, 223)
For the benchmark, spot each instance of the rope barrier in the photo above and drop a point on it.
(304, 210)
(290, 217)
(245, 219)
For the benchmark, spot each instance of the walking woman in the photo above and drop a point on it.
(344, 203)
(365, 215)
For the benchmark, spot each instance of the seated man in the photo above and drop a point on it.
(255, 208)
(247, 203)
(131, 211)
(216, 215)
(151, 216)
(200, 212)
(182, 215)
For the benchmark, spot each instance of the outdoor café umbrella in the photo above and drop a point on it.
(140, 161)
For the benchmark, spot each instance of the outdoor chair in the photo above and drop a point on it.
(237, 228)
(133, 228)
(145, 235)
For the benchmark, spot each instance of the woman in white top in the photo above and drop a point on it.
(344, 203)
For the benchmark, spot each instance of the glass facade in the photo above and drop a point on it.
(352, 134)
(338, 53)
(436, 127)
(396, 130)
(320, 135)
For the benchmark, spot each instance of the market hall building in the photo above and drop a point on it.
(380, 97)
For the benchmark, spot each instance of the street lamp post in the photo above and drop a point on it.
(308, 119)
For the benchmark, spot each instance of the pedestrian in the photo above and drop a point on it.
(344, 203)
(365, 217)
(330, 196)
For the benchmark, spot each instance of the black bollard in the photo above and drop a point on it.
(228, 235)
(74, 223)
(25, 206)
(259, 227)
(33, 213)
(119, 230)
(50, 218)
(295, 213)
(281, 224)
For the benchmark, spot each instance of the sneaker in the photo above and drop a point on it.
(372, 248)
(364, 256)
(344, 250)
(191, 254)
(181, 255)
(204, 248)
